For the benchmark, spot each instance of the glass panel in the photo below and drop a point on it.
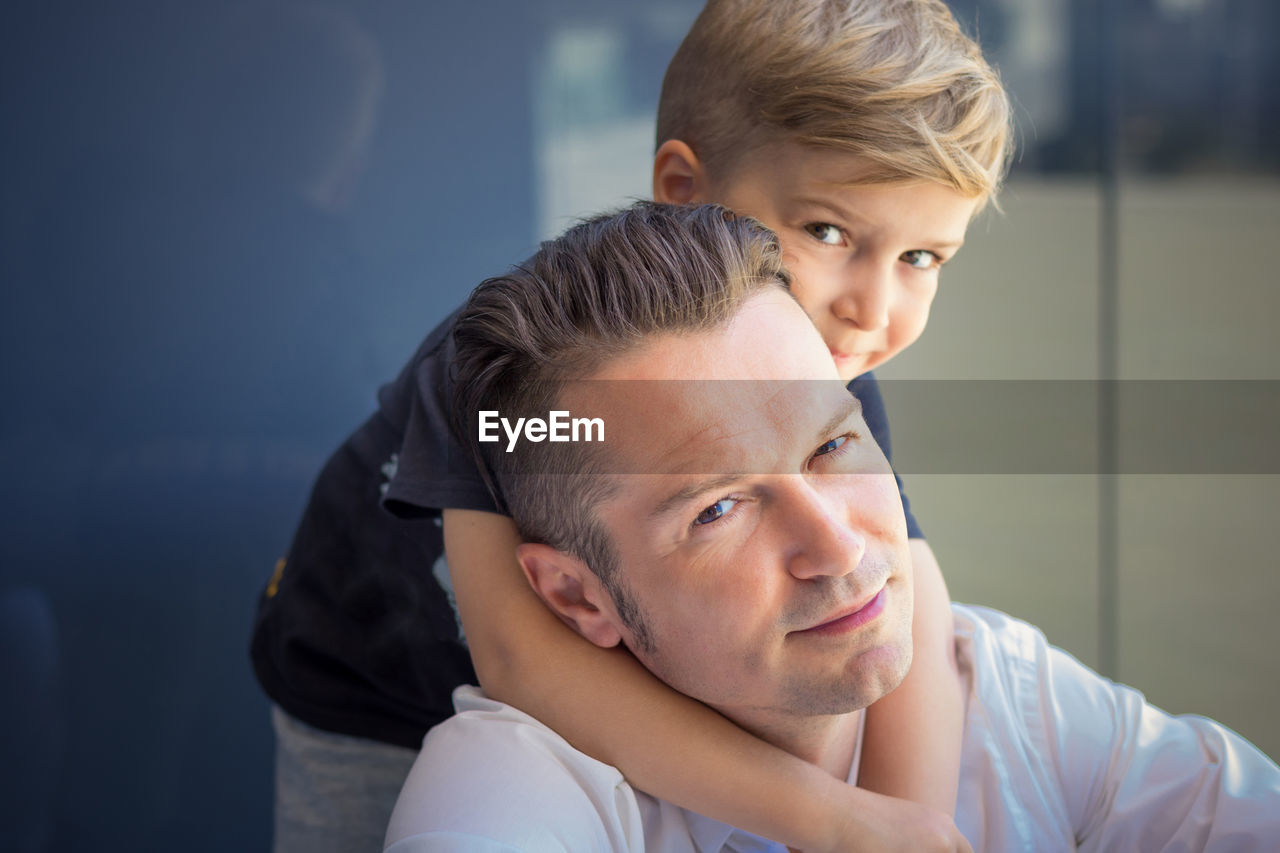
(1199, 209)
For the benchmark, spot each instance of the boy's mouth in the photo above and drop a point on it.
(860, 346)
(841, 356)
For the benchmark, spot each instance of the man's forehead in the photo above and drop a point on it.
(702, 427)
(713, 398)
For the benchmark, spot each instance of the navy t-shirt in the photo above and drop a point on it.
(357, 633)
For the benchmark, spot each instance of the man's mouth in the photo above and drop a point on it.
(848, 618)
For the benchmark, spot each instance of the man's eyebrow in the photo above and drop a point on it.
(685, 494)
(851, 406)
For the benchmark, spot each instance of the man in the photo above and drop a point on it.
(741, 535)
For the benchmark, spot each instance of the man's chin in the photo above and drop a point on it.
(879, 671)
(864, 680)
(898, 674)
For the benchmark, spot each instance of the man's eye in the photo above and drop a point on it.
(831, 446)
(921, 259)
(824, 232)
(714, 512)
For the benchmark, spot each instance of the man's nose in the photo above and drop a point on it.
(865, 303)
(821, 540)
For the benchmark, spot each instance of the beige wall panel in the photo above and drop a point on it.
(1023, 544)
(1200, 598)
(1198, 565)
(1199, 294)
(1020, 300)
(1199, 571)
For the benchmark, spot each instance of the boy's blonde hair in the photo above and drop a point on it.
(895, 82)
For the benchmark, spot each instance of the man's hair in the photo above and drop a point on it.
(606, 286)
(895, 82)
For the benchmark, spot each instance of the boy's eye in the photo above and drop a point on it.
(921, 259)
(714, 512)
(825, 232)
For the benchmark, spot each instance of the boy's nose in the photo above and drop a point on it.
(866, 303)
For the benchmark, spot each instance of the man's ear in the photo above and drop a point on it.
(678, 174)
(572, 591)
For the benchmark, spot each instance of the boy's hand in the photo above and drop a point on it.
(874, 823)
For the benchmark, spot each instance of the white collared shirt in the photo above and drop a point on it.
(1054, 758)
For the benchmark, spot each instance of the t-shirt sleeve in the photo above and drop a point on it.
(432, 470)
(867, 390)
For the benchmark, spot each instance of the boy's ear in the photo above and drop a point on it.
(678, 174)
(572, 591)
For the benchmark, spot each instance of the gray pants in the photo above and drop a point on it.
(333, 792)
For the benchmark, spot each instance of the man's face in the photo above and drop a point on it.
(767, 551)
(865, 258)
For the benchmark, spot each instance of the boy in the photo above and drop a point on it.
(866, 134)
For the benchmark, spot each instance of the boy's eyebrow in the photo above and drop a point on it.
(686, 494)
(838, 209)
(943, 245)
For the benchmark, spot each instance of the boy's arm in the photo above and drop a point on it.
(912, 744)
(609, 706)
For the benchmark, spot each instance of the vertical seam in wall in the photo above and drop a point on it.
(1109, 80)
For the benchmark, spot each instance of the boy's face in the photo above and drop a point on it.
(864, 258)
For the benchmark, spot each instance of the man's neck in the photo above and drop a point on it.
(828, 741)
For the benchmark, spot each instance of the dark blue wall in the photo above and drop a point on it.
(189, 327)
